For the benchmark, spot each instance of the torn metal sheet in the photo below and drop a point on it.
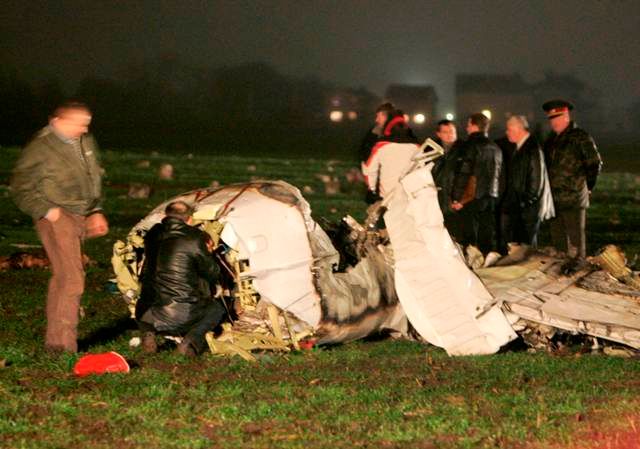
(444, 300)
(537, 292)
(292, 283)
(290, 262)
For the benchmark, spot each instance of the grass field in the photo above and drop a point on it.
(372, 394)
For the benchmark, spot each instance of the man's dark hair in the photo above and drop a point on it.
(444, 122)
(481, 121)
(70, 105)
(386, 107)
(179, 209)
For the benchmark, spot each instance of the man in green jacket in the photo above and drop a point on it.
(573, 163)
(57, 180)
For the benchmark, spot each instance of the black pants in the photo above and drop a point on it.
(568, 231)
(454, 222)
(210, 316)
(519, 225)
(480, 224)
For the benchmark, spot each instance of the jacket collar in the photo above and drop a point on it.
(173, 224)
(477, 135)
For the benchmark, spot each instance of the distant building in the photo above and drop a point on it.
(588, 111)
(417, 101)
(498, 96)
(347, 104)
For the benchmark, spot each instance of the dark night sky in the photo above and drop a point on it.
(369, 43)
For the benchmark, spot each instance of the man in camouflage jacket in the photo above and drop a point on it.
(57, 181)
(573, 163)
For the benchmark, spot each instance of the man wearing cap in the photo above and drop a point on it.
(573, 163)
(57, 181)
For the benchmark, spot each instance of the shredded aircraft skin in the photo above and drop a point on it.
(284, 267)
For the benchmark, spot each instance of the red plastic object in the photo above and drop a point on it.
(107, 362)
(307, 345)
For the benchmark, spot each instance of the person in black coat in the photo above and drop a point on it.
(476, 185)
(443, 171)
(177, 280)
(525, 173)
(375, 132)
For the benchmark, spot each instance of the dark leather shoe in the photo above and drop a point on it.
(149, 344)
(185, 348)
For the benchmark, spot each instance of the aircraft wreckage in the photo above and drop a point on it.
(296, 281)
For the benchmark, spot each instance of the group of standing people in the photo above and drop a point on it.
(495, 193)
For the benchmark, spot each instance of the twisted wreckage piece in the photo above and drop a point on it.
(284, 270)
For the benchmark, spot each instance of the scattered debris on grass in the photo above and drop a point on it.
(165, 172)
(139, 191)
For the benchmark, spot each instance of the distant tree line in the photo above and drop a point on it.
(249, 108)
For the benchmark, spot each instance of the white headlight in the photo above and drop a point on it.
(336, 116)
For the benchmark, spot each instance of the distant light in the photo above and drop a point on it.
(449, 116)
(336, 116)
(487, 113)
(406, 117)
(352, 115)
(419, 119)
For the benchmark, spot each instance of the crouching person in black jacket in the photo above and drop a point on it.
(177, 277)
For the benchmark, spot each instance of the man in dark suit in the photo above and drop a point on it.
(476, 185)
(444, 171)
(525, 187)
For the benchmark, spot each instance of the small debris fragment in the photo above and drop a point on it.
(139, 191)
(23, 260)
(166, 172)
(354, 176)
(251, 168)
(618, 352)
(331, 183)
(475, 259)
